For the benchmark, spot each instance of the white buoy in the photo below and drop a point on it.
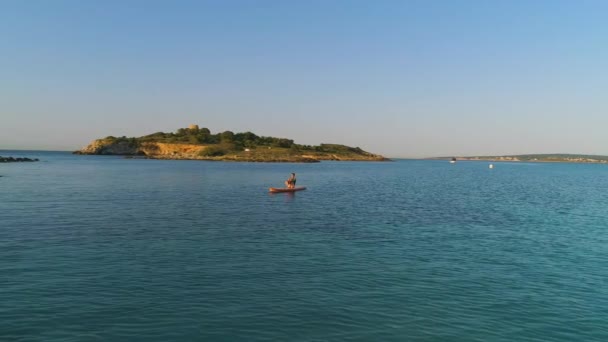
(491, 166)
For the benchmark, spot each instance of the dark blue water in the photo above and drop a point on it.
(99, 248)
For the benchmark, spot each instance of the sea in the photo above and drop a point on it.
(104, 248)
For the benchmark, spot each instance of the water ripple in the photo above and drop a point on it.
(125, 250)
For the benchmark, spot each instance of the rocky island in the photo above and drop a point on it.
(540, 158)
(200, 144)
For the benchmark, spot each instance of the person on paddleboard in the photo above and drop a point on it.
(291, 182)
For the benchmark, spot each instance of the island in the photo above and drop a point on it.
(194, 143)
(540, 158)
(16, 160)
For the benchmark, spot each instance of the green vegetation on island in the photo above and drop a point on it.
(200, 143)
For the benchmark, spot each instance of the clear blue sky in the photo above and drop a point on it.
(401, 78)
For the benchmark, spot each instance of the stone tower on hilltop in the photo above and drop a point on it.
(193, 127)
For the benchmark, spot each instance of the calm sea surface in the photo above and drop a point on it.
(96, 248)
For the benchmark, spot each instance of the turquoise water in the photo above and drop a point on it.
(96, 248)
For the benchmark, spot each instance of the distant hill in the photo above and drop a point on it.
(200, 143)
(553, 157)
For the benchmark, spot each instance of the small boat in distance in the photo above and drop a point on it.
(453, 161)
(275, 190)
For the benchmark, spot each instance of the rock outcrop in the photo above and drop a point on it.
(13, 160)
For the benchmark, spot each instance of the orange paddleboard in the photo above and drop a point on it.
(287, 189)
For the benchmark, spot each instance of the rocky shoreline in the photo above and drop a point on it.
(16, 160)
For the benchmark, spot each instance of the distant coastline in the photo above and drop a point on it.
(535, 158)
(194, 143)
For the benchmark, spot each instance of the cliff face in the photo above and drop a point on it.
(105, 146)
(171, 151)
(150, 149)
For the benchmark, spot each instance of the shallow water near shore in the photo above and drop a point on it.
(102, 248)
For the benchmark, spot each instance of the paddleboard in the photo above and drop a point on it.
(287, 189)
